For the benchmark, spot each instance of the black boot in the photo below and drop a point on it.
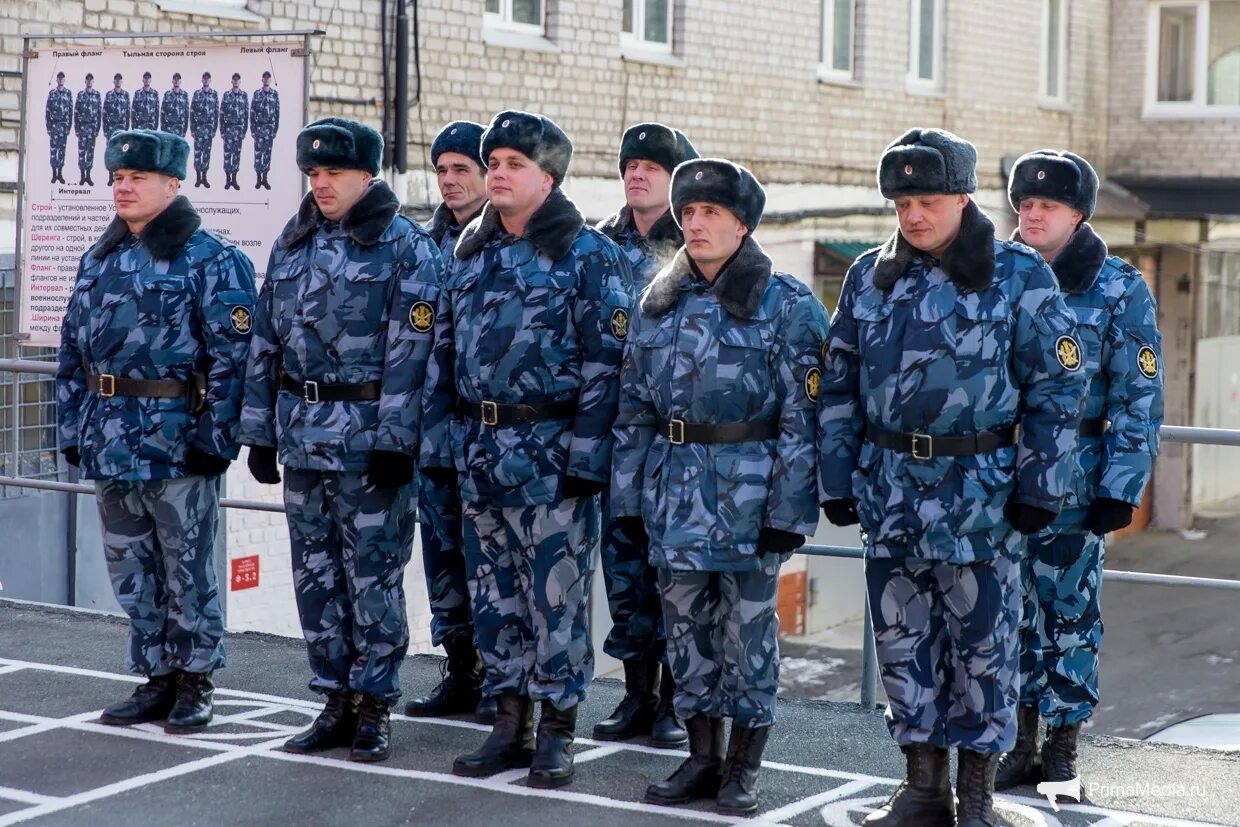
(60, 174)
(738, 795)
(197, 178)
(81, 177)
(510, 744)
(193, 709)
(90, 181)
(205, 182)
(1059, 753)
(54, 179)
(1021, 764)
(373, 741)
(258, 180)
(484, 712)
(152, 701)
(666, 731)
(553, 757)
(975, 788)
(698, 776)
(461, 688)
(924, 799)
(635, 714)
(266, 183)
(334, 727)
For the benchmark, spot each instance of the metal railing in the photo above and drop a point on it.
(869, 655)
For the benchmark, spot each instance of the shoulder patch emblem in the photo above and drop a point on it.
(620, 324)
(422, 317)
(240, 318)
(813, 383)
(1147, 362)
(822, 351)
(1068, 352)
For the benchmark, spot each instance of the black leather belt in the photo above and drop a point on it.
(313, 392)
(107, 385)
(926, 446)
(679, 432)
(503, 413)
(1093, 427)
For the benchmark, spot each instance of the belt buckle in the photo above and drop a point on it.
(490, 413)
(676, 431)
(923, 453)
(1106, 425)
(310, 390)
(107, 385)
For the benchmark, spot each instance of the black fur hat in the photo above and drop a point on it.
(535, 136)
(340, 143)
(1055, 176)
(462, 137)
(147, 150)
(667, 147)
(717, 181)
(927, 161)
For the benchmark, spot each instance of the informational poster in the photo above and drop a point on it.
(239, 105)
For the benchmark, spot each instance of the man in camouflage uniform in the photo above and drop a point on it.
(462, 184)
(532, 339)
(87, 110)
(115, 111)
(145, 105)
(204, 119)
(334, 388)
(234, 118)
(58, 118)
(951, 391)
(1117, 324)
(148, 391)
(648, 235)
(174, 111)
(715, 456)
(264, 123)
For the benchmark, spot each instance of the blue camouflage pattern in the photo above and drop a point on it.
(145, 111)
(350, 542)
(264, 123)
(704, 505)
(159, 549)
(87, 114)
(204, 119)
(174, 112)
(722, 642)
(135, 316)
(58, 120)
(234, 121)
(929, 357)
(946, 635)
(115, 112)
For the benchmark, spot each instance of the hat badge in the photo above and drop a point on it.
(505, 123)
(641, 137)
(1041, 175)
(453, 132)
(908, 169)
(697, 177)
(124, 147)
(316, 144)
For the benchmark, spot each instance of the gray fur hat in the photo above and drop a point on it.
(1056, 176)
(461, 137)
(718, 181)
(339, 143)
(147, 150)
(667, 147)
(927, 161)
(535, 136)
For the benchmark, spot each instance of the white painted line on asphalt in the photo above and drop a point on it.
(846, 790)
(597, 752)
(25, 796)
(10, 668)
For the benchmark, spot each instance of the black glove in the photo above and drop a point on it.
(581, 487)
(262, 462)
(389, 469)
(634, 528)
(72, 456)
(201, 464)
(1106, 515)
(441, 477)
(1028, 519)
(841, 512)
(777, 541)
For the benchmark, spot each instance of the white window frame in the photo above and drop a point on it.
(916, 83)
(636, 39)
(504, 20)
(226, 9)
(1061, 96)
(826, 62)
(1197, 107)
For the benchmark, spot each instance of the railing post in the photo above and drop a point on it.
(869, 659)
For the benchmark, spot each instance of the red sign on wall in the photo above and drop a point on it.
(244, 573)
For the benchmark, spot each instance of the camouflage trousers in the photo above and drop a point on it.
(722, 642)
(1061, 625)
(86, 153)
(530, 569)
(58, 141)
(632, 595)
(946, 636)
(202, 153)
(262, 153)
(232, 151)
(443, 561)
(159, 546)
(350, 542)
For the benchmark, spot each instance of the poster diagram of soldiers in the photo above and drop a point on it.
(234, 126)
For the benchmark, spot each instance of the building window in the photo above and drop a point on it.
(838, 29)
(520, 15)
(925, 65)
(647, 23)
(1054, 50)
(1194, 58)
